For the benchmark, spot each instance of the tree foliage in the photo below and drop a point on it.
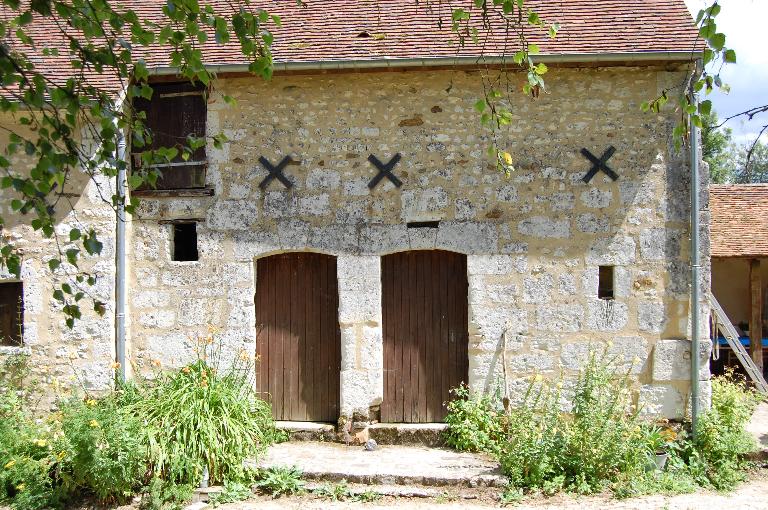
(717, 148)
(71, 119)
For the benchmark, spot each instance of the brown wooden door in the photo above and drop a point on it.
(298, 339)
(424, 307)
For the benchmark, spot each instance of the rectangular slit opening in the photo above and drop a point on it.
(11, 313)
(423, 224)
(605, 287)
(184, 242)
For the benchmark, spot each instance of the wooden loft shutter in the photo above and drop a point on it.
(11, 312)
(176, 111)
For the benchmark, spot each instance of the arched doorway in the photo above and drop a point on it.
(297, 335)
(425, 325)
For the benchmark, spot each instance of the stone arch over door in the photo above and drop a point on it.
(425, 333)
(297, 335)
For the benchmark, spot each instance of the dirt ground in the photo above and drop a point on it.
(751, 495)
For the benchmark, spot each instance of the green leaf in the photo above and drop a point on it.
(74, 234)
(705, 107)
(480, 105)
(729, 56)
(717, 41)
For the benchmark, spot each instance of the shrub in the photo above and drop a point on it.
(716, 456)
(533, 437)
(164, 432)
(162, 495)
(473, 421)
(26, 458)
(601, 443)
(103, 449)
(603, 437)
(583, 451)
(205, 417)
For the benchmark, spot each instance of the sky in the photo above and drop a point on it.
(744, 24)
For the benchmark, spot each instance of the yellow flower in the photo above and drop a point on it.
(20, 487)
(94, 424)
(538, 378)
(41, 442)
(156, 362)
(185, 370)
(91, 402)
(10, 464)
(610, 344)
(507, 157)
(61, 455)
(244, 355)
(115, 365)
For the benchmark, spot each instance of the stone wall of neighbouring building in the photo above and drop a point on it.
(60, 357)
(534, 239)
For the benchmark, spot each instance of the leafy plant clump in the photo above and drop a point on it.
(154, 437)
(203, 417)
(582, 451)
(716, 455)
(473, 421)
(280, 481)
(233, 492)
(602, 443)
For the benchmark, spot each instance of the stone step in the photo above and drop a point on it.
(386, 465)
(308, 431)
(414, 434)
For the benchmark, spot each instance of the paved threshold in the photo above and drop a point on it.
(387, 465)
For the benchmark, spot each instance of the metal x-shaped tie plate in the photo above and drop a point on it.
(385, 170)
(275, 172)
(599, 164)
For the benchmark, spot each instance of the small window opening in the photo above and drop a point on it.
(605, 283)
(185, 242)
(423, 224)
(11, 313)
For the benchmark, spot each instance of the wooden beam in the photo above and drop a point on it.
(756, 313)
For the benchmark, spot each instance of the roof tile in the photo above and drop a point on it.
(324, 30)
(739, 220)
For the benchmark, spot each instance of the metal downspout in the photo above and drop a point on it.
(120, 263)
(695, 277)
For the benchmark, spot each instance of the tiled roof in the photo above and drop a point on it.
(739, 220)
(335, 30)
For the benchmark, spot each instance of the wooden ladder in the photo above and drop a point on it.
(724, 326)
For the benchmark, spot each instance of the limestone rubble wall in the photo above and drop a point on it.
(534, 239)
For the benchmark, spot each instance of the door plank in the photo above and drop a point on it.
(299, 337)
(425, 331)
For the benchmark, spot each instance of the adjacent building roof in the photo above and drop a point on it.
(739, 220)
(382, 32)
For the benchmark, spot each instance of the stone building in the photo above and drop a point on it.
(739, 232)
(386, 259)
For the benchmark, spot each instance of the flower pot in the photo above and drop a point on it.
(661, 460)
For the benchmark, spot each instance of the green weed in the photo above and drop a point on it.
(280, 481)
